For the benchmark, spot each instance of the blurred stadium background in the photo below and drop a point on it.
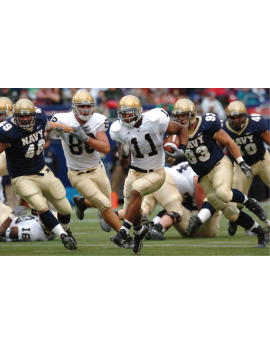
(215, 100)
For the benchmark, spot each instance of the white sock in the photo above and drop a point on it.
(204, 214)
(58, 230)
(156, 219)
(255, 225)
(139, 231)
(246, 199)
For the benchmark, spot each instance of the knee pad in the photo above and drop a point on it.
(101, 202)
(215, 202)
(176, 218)
(223, 195)
(231, 212)
(57, 189)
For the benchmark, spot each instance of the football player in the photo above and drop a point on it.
(82, 151)
(181, 197)
(215, 170)
(249, 133)
(6, 107)
(22, 138)
(17, 227)
(142, 136)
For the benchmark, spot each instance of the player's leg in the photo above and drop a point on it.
(3, 164)
(210, 227)
(4, 212)
(29, 188)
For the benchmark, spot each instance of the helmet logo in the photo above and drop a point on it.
(87, 102)
(125, 107)
(25, 112)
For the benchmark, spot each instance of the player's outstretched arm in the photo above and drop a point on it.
(226, 140)
(53, 125)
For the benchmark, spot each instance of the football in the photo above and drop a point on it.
(168, 141)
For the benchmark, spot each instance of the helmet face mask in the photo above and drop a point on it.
(184, 112)
(83, 105)
(237, 115)
(24, 114)
(129, 117)
(6, 108)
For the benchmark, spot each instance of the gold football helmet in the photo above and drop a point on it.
(187, 108)
(6, 108)
(237, 115)
(129, 111)
(79, 101)
(22, 108)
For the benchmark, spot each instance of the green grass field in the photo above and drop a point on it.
(93, 241)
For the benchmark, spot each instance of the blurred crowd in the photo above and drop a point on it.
(214, 100)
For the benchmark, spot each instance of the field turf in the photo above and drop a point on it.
(92, 240)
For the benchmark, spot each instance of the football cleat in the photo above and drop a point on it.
(267, 228)
(129, 243)
(104, 226)
(68, 242)
(120, 238)
(150, 225)
(155, 232)
(69, 233)
(232, 227)
(80, 206)
(193, 225)
(138, 240)
(263, 237)
(256, 208)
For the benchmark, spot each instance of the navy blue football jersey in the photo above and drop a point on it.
(25, 154)
(202, 151)
(249, 139)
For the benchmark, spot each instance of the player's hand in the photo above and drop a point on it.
(58, 130)
(19, 211)
(125, 149)
(246, 169)
(79, 134)
(178, 153)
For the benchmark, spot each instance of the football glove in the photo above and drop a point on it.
(178, 153)
(246, 169)
(125, 149)
(19, 211)
(79, 134)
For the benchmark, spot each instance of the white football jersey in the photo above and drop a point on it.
(183, 175)
(145, 142)
(29, 229)
(80, 156)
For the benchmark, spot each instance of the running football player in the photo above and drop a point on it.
(249, 132)
(22, 138)
(215, 170)
(141, 135)
(82, 151)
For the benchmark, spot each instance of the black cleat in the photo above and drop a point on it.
(150, 225)
(267, 228)
(232, 227)
(104, 226)
(256, 208)
(263, 237)
(193, 225)
(69, 233)
(129, 243)
(120, 238)
(155, 232)
(68, 242)
(80, 206)
(138, 240)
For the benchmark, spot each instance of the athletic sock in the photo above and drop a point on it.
(126, 226)
(245, 220)
(206, 212)
(156, 219)
(238, 196)
(64, 221)
(51, 223)
(138, 229)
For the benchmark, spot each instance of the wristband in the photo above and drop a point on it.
(124, 157)
(239, 160)
(183, 147)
